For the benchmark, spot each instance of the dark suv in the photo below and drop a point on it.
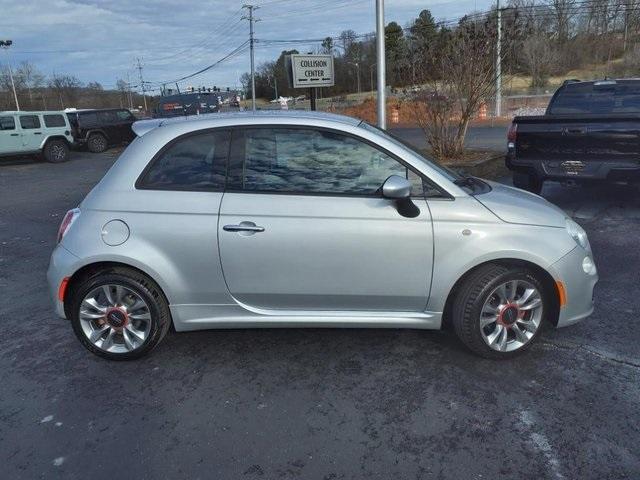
(99, 129)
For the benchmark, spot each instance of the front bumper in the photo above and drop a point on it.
(578, 286)
(62, 265)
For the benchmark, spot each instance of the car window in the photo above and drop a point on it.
(28, 122)
(314, 161)
(195, 162)
(124, 115)
(88, 118)
(54, 121)
(7, 123)
(588, 98)
(106, 117)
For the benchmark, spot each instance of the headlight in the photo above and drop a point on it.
(577, 233)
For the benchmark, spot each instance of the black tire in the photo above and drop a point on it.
(97, 143)
(143, 286)
(56, 151)
(469, 301)
(528, 181)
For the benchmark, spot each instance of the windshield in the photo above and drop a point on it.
(446, 172)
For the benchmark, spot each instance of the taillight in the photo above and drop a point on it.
(67, 221)
(512, 136)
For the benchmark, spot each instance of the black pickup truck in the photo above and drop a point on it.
(590, 132)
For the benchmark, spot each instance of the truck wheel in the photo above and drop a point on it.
(499, 311)
(97, 143)
(56, 151)
(527, 181)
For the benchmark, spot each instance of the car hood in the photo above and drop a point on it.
(513, 205)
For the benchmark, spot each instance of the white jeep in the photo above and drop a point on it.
(35, 133)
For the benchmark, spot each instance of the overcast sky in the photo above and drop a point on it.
(100, 40)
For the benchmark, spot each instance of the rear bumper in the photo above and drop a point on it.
(578, 286)
(62, 265)
(612, 171)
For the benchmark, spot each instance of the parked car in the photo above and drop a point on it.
(296, 219)
(45, 134)
(185, 104)
(588, 133)
(100, 129)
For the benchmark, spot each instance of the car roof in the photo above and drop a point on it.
(31, 112)
(293, 117)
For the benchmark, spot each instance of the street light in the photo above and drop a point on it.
(5, 44)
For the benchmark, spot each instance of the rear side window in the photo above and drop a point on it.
(7, 123)
(195, 162)
(28, 122)
(54, 121)
(88, 118)
(124, 115)
(106, 117)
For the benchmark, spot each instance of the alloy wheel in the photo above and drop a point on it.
(115, 319)
(511, 315)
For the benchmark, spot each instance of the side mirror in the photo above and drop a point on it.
(396, 187)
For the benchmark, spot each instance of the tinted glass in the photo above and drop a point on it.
(196, 162)
(7, 123)
(88, 118)
(106, 117)
(124, 115)
(597, 99)
(54, 121)
(29, 121)
(314, 161)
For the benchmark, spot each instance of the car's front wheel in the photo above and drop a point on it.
(119, 314)
(498, 312)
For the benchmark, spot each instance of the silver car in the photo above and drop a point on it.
(301, 219)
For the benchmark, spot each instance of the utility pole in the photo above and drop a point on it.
(498, 109)
(129, 91)
(144, 97)
(5, 44)
(252, 20)
(380, 57)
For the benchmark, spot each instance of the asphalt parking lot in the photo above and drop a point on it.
(325, 404)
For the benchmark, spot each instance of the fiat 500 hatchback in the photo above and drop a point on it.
(309, 220)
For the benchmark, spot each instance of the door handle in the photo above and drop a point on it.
(37, 133)
(575, 131)
(243, 227)
(15, 134)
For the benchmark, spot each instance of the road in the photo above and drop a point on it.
(481, 137)
(325, 404)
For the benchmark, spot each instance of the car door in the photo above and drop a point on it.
(303, 226)
(125, 120)
(10, 141)
(31, 132)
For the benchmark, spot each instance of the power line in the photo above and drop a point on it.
(236, 51)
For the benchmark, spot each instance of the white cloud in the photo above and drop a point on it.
(99, 40)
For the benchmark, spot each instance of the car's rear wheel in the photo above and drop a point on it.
(119, 314)
(498, 312)
(56, 151)
(527, 181)
(97, 143)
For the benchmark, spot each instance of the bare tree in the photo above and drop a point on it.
(31, 78)
(466, 80)
(563, 13)
(540, 58)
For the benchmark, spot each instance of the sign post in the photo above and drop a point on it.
(310, 71)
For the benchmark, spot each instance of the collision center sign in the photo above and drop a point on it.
(312, 71)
